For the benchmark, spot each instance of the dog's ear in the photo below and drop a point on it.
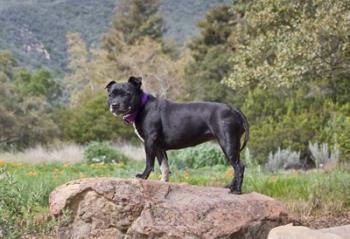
(108, 86)
(136, 81)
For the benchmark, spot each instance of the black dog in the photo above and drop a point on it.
(164, 125)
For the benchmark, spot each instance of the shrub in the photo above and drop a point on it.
(283, 159)
(23, 212)
(98, 152)
(208, 154)
(322, 156)
(91, 121)
(10, 203)
(249, 161)
(337, 130)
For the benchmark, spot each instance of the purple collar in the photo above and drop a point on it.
(131, 118)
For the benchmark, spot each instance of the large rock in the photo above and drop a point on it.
(342, 231)
(121, 208)
(298, 232)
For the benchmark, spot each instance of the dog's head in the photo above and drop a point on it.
(124, 98)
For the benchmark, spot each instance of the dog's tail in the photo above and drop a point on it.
(245, 126)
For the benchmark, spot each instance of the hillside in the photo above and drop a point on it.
(35, 30)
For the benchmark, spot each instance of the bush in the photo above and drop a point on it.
(98, 152)
(208, 154)
(293, 122)
(283, 159)
(322, 156)
(337, 130)
(23, 212)
(10, 203)
(91, 120)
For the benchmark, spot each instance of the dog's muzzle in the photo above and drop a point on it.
(115, 110)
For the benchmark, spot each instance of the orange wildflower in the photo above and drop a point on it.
(229, 173)
(32, 174)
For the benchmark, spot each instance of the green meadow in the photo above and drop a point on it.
(25, 189)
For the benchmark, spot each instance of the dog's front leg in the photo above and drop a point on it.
(163, 164)
(150, 149)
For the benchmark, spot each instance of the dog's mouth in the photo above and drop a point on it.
(120, 112)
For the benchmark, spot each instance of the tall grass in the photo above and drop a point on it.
(62, 153)
(66, 153)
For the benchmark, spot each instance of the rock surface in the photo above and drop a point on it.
(297, 232)
(342, 231)
(122, 208)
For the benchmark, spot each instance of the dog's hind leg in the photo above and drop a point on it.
(163, 164)
(230, 144)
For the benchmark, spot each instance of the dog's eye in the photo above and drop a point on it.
(117, 93)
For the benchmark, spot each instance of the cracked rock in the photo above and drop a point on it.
(133, 208)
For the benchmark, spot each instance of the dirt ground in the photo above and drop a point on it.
(326, 221)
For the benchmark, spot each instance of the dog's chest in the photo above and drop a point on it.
(137, 133)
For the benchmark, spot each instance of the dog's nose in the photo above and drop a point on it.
(115, 105)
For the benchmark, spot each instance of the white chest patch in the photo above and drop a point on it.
(137, 133)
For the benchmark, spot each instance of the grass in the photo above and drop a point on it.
(59, 153)
(28, 185)
(66, 153)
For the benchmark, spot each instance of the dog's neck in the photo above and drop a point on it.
(131, 118)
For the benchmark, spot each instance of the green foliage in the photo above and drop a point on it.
(294, 122)
(91, 121)
(23, 211)
(215, 30)
(7, 64)
(10, 204)
(203, 78)
(292, 56)
(40, 83)
(293, 44)
(210, 52)
(133, 21)
(25, 189)
(98, 152)
(26, 102)
(197, 157)
(137, 18)
(337, 129)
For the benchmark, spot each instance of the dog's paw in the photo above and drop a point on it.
(140, 175)
(235, 192)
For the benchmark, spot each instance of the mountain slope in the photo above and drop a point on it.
(35, 30)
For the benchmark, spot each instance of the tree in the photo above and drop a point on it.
(26, 108)
(287, 43)
(162, 74)
(89, 70)
(35, 95)
(7, 99)
(293, 57)
(78, 77)
(215, 29)
(210, 52)
(86, 117)
(39, 84)
(7, 65)
(7, 116)
(91, 121)
(134, 20)
(133, 46)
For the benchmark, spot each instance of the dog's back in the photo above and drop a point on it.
(188, 124)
